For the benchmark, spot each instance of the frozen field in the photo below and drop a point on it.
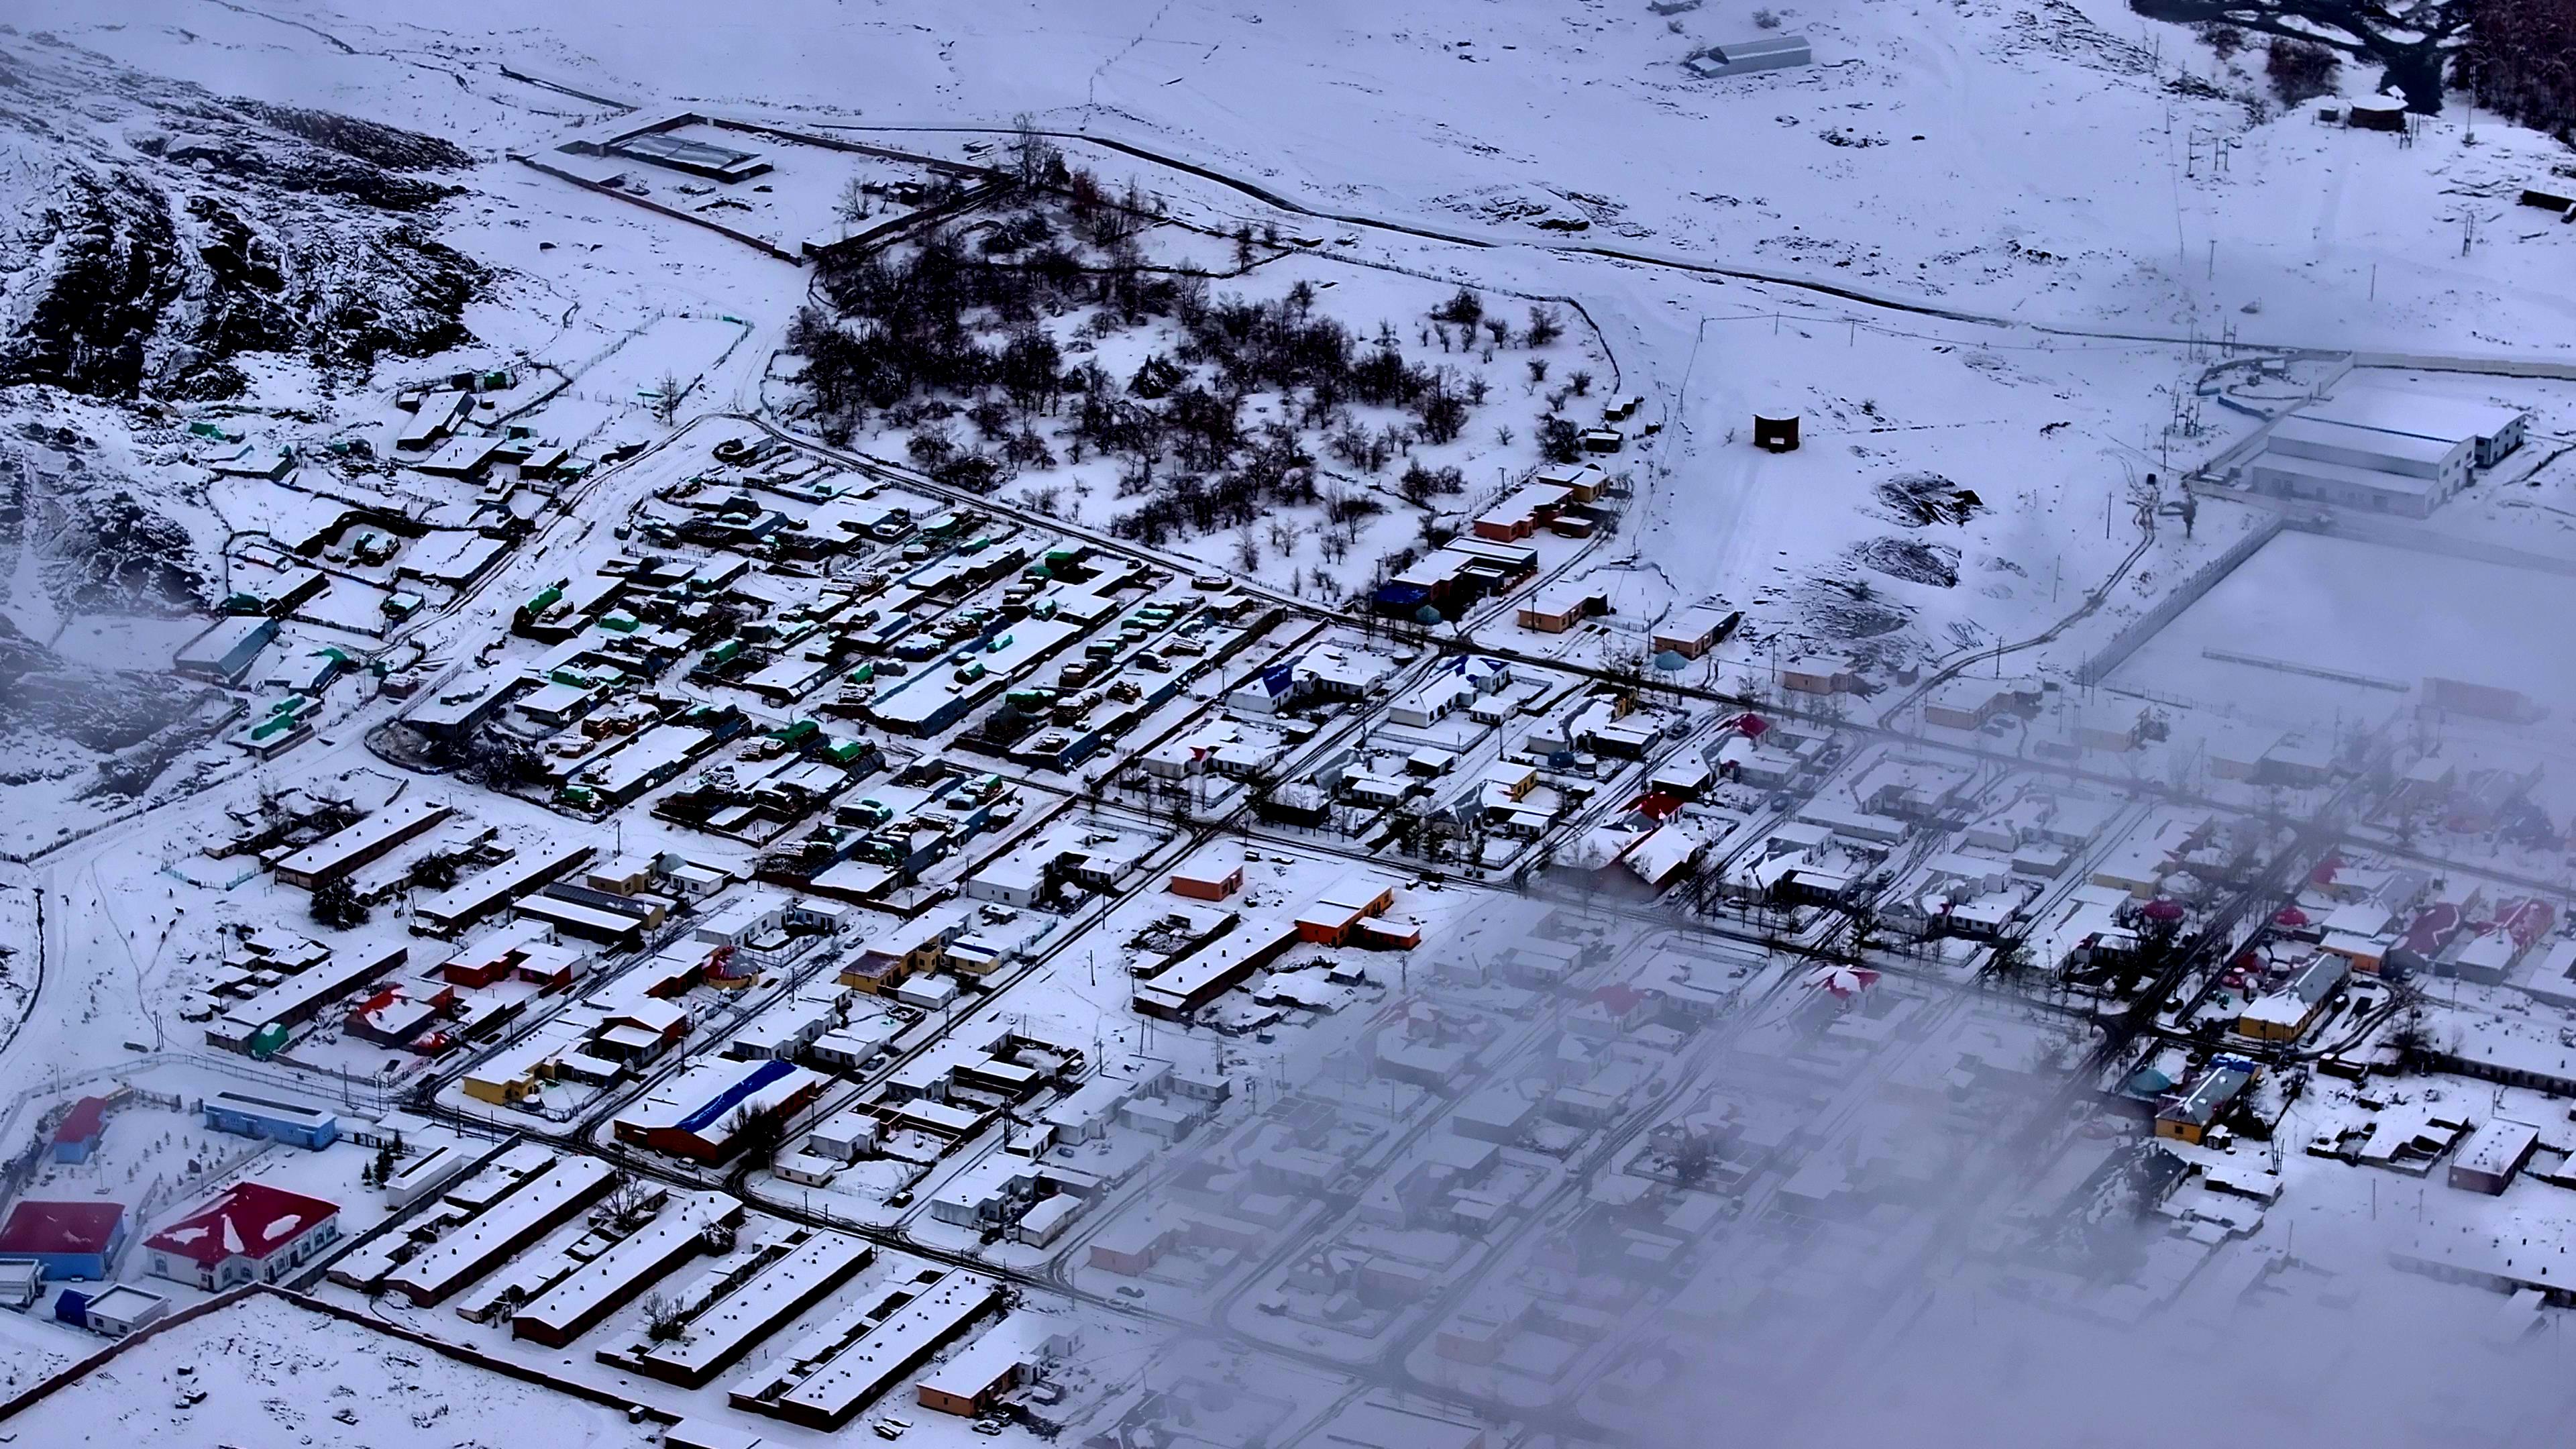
(266, 1371)
(2360, 609)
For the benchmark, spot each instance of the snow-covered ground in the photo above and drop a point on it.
(2364, 612)
(2061, 175)
(270, 1366)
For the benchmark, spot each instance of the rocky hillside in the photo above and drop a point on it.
(162, 247)
(162, 232)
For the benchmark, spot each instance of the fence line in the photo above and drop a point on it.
(2144, 627)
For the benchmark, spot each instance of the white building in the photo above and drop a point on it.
(2491, 431)
(2361, 468)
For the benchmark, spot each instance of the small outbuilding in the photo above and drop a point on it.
(76, 1137)
(2495, 1152)
(1769, 52)
(115, 1313)
(2376, 113)
(22, 1282)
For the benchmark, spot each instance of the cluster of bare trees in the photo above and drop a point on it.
(2520, 59)
(2513, 56)
(949, 338)
(945, 334)
(2410, 45)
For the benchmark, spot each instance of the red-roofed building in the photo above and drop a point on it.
(78, 1135)
(1626, 1005)
(2526, 920)
(393, 1015)
(66, 1239)
(2432, 929)
(253, 1233)
(1658, 806)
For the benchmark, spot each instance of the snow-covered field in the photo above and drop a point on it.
(267, 1368)
(2365, 611)
(2060, 174)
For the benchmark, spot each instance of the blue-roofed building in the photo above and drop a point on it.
(711, 1110)
(225, 652)
(1399, 600)
(1274, 687)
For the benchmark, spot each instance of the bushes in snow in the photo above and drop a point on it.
(2300, 70)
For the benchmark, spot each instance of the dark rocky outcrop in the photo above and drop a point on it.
(178, 231)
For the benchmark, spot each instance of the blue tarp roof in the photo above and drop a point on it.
(1278, 679)
(731, 1097)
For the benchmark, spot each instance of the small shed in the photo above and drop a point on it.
(77, 1136)
(121, 1310)
(22, 1282)
(1769, 52)
(926, 993)
(2488, 1161)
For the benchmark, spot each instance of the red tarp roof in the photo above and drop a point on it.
(1619, 998)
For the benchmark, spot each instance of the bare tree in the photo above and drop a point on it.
(2411, 45)
(663, 1317)
(856, 204)
(2009, 964)
(1035, 160)
(2520, 58)
(630, 1202)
